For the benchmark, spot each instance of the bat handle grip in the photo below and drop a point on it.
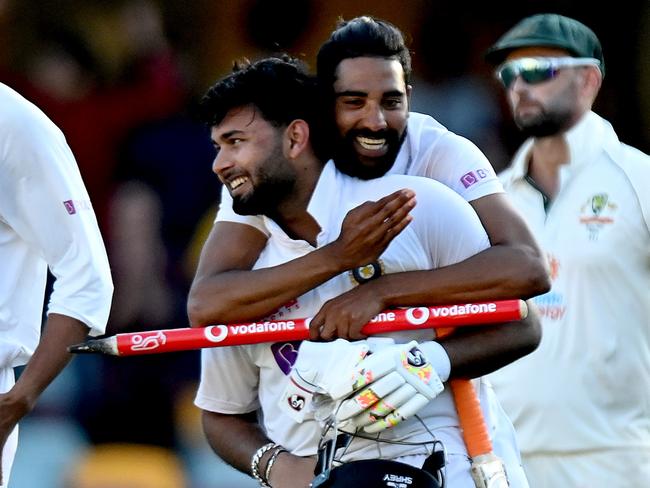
(470, 416)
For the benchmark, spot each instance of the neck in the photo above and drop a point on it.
(291, 214)
(547, 155)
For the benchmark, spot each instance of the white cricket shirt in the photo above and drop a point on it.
(588, 384)
(45, 219)
(242, 379)
(430, 150)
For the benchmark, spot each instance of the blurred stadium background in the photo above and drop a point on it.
(122, 78)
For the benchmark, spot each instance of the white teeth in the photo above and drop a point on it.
(240, 180)
(371, 144)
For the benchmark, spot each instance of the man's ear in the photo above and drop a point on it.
(592, 81)
(296, 138)
(409, 89)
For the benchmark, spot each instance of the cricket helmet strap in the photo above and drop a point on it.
(377, 473)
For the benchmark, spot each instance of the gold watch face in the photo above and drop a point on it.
(368, 272)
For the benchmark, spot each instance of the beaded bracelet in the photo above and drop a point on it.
(269, 464)
(255, 463)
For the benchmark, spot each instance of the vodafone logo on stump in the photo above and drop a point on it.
(419, 315)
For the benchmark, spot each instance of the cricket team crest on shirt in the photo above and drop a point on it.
(370, 271)
(597, 213)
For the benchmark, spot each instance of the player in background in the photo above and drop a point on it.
(581, 402)
(46, 220)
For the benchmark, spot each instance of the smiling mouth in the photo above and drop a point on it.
(371, 144)
(237, 182)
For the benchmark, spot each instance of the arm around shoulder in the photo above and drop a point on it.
(515, 257)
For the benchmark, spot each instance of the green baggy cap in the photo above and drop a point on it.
(548, 30)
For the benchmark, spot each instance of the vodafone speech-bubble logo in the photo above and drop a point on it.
(417, 315)
(220, 336)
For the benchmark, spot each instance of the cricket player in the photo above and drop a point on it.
(260, 118)
(46, 221)
(581, 402)
(364, 69)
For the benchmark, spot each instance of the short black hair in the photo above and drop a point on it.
(279, 87)
(359, 37)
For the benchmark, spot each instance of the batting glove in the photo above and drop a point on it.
(318, 367)
(389, 386)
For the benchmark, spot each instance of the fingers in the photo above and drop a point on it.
(388, 210)
(385, 406)
(397, 198)
(409, 409)
(396, 205)
(342, 318)
(370, 396)
(391, 211)
(329, 330)
(315, 326)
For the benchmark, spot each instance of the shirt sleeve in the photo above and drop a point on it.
(458, 164)
(229, 381)
(227, 214)
(51, 211)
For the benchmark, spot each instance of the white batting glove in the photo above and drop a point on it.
(389, 386)
(319, 365)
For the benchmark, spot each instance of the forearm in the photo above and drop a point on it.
(288, 471)
(49, 358)
(474, 352)
(494, 274)
(240, 295)
(225, 289)
(221, 429)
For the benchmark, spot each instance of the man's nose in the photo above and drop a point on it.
(221, 163)
(375, 119)
(518, 84)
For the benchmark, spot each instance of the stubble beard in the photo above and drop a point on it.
(545, 124)
(555, 118)
(274, 182)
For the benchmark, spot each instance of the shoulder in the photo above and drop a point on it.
(427, 129)
(635, 164)
(418, 122)
(430, 139)
(23, 122)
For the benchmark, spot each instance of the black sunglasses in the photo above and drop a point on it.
(537, 70)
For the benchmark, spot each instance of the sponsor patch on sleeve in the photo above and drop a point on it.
(74, 206)
(472, 177)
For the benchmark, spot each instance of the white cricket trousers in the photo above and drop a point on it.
(7, 380)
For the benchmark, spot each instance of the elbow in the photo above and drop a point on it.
(195, 313)
(533, 330)
(199, 313)
(539, 281)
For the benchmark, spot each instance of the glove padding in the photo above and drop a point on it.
(389, 386)
(319, 366)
